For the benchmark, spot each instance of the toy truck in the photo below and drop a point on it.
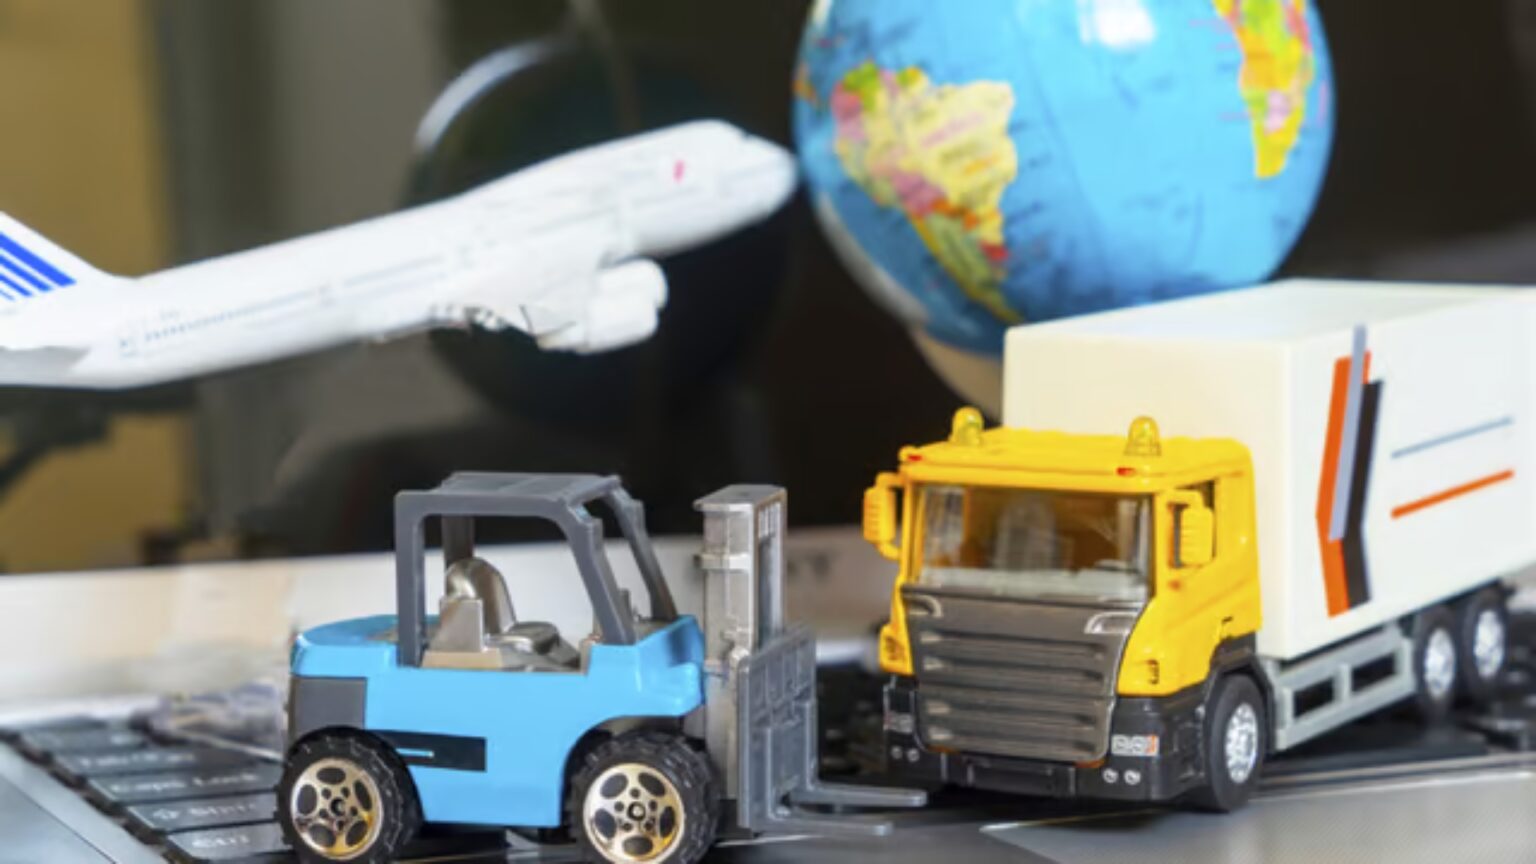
(1320, 488)
(637, 738)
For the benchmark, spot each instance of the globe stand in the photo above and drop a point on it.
(978, 378)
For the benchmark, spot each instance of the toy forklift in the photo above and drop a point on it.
(638, 738)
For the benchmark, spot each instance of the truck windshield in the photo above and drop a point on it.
(1033, 543)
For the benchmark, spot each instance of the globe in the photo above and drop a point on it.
(984, 163)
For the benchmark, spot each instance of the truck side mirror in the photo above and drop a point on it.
(1195, 529)
(880, 514)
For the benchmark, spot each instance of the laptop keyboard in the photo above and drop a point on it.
(190, 802)
(196, 803)
(195, 779)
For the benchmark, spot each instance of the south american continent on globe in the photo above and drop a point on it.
(985, 163)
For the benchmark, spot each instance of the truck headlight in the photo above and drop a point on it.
(1110, 623)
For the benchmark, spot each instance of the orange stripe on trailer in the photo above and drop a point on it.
(1443, 496)
(1334, 581)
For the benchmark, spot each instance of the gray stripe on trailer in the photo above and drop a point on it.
(1451, 437)
(1346, 471)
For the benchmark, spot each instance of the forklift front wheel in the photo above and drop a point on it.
(645, 796)
(345, 798)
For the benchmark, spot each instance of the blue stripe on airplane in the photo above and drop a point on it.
(9, 284)
(25, 274)
(14, 285)
(49, 272)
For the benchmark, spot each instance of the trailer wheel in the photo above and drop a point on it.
(1482, 644)
(1236, 738)
(645, 796)
(1434, 663)
(345, 798)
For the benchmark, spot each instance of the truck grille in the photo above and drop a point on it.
(1012, 678)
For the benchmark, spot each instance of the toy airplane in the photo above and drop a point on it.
(559, 251)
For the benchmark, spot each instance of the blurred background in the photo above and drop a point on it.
(143, 134)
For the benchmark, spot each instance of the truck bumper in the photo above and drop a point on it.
(1135, 769)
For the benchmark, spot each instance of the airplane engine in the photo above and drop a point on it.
(621, 310)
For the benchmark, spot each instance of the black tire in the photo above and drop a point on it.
(1434, 687)
(1230, 783)
(557, 836)
(1482, 666)
(308, 783)
(680, 780)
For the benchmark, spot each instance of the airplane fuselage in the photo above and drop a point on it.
(556, 251)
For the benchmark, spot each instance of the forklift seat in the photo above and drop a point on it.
(477, 628)
(477, 578)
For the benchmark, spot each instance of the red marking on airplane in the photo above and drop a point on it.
(677, 171)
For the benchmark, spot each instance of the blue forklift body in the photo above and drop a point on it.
(491, 747)
(488, 740)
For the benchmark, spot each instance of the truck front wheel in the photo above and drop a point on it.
(1236, 737)
(345, 798)
(644, 796)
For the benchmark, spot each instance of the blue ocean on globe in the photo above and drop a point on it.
(988, 162)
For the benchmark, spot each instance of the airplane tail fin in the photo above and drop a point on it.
(32, 266)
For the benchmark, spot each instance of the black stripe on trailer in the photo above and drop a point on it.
(1356, 570)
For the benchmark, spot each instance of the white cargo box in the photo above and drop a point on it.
(1388, 425)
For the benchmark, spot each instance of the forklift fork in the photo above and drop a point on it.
(760, 703)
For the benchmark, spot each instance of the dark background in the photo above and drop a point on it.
(770, 365)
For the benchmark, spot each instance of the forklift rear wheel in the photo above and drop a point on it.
(344, 797)
(645, 796)
(1236, 738)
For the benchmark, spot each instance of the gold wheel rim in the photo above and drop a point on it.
(633, 813)
(335, 809)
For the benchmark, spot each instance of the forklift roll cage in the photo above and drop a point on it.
(561, 499)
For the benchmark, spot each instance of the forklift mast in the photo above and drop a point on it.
(760, 725)
(742, 558)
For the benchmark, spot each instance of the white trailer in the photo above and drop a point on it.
(1389, 430)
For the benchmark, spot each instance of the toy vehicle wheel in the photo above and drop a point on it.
(1482, 643)
(1434, 663)
(644, 796)
(346, 798)
(558, 836)
(1236, 738)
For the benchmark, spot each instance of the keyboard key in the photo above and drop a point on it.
(47, 742)
(171, 816)
(12, 733)
(87, 765)
(174, 785)
(242, 843)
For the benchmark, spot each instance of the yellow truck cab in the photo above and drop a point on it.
(1320, 528)
(1061, 603)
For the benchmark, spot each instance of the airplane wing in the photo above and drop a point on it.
(621, 308)
(597, 310)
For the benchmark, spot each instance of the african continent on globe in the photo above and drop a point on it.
(982, 163)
